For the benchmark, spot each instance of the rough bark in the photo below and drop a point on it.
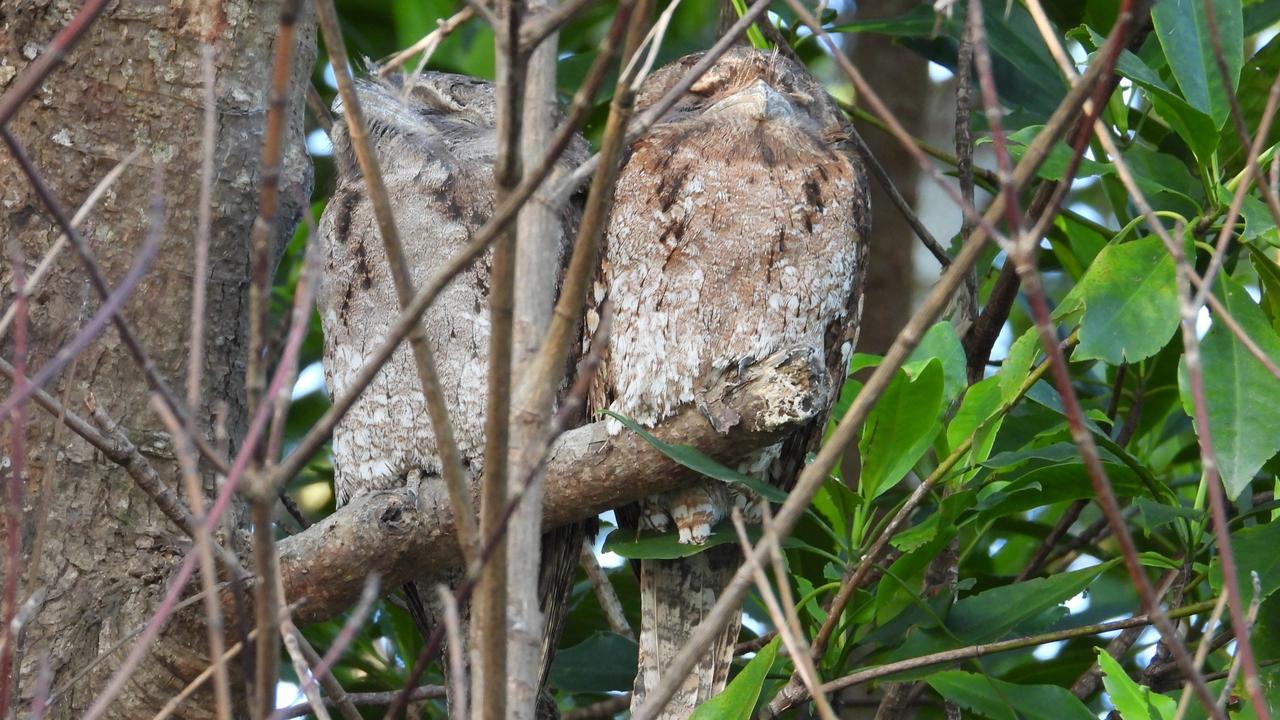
(106, 551)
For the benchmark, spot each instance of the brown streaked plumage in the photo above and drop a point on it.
(435, 145)
(738, 230)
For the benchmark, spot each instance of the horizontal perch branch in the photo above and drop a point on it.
(588, 471)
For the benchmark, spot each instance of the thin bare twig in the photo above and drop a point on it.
(886, 183)
(264, 226)
(991, 103)
(457, 663)
(344, 639)
(977, 651)
(262, 494)
(486, 13)
(21, 617)
(1217, 500)
(175, 702)
(792, 637)
(1242, 632)
(1202, 652)
(204, 229)
(1069, 517)
(320, 112)
(187, 461)
(1087, 682)
(371, 699)
(603, 710)
(428, 43)
(489, 609)
(290, 635)
(610, 605)
(337, 695)
(44, 678)
(538, 28)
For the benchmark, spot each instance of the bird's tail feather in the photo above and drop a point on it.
(675, 596)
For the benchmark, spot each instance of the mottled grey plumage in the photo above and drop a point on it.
(436, 151)
(435, 145)
(738, 230)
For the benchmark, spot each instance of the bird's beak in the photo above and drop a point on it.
(757, 101)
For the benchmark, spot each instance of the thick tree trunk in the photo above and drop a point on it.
(901, 78)
(98, 547)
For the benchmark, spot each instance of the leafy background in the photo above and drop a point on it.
(1010, 470)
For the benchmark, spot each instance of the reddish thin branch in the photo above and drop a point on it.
(264, 227)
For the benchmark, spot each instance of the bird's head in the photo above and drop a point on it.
(745, 85)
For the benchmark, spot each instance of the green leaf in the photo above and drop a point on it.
(979, 416)
(1194, 126)
(1055, 483)
(604, 662)
(738, 700)
(940, 342)
(1254, 549)
(989, 615)
(1008, 701)
(1183, 29)
(1259, 226)
(1025, 71)
(1014, 369)
(1130, 303)
(696, 460)
(920, 21)
(1133, 701)
(662, 546)
(1056, 452)
(981, 401)
(1260, 15)
(836, 503)
(1058, 160)
(667, 546)
(753, 33)
(1269, 277)
(1165, 179)
(1154, 514)
(1240, 393)
(1255, 83)
(900, 428)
